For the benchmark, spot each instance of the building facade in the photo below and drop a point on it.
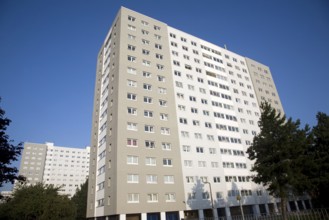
(59, 166)
(173, 117)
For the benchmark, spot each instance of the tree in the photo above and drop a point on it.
(318, 169)
(276, 153)
(80, 200)
(38, 202)
(8, 152)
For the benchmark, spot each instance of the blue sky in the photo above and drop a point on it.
(48, 51)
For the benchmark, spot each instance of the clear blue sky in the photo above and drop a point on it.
(48, 53)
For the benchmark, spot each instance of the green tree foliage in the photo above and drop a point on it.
(276, 153)
(38, 202)
(318, 163)
(80, 200)
(8, 152)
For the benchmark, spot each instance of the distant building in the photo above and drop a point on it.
(60, 166)
(173, 117)
(5, 196)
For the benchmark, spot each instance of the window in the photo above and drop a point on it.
(147, 86)
(198, 135)
(179, 84)
(133, 198)
(196, 123)
(186, 148)
(159, 56)
(204, 101)
(165, 131)
(132, 178)
(152, 197)
(174, 53)
(148, 114)
(192, 98)
(170, 197)
(100, 170)
(185, 134)
(132, 70)
(183, 120)
(160, 67)
(145, 42)
(202, 163)
(191, 196)
(145, 52)
(188, 67)
(132, 160)
(199, 150)
(180, 95)
(145, 23)
(166, 146)
(149, 128)
(212, 150)
(219, 195)
(167, 162)
(177, 73)
(190, 179)
(149, 144)
(188, 163)
(132, 126)
(210, 137)
(214, 164)
(146, 63)
(202, 90)
(146, 74)
(163, 103)
(205, 195)
(158, 37)
(194, 110)
(216, 179)
(130, 27)
(203, 179)
(181, 107)
(190, 87)
(131, 83)
(100, 202)
(161, 78)
(130, 18)
(131, 58)
(144, 32)
(158, 46)
(131, 47)
(163, 116)
(150, 161)
(132, 142)
(162, 90)
(153, 179)
(147, 99)
(132, 37)
(169, 179)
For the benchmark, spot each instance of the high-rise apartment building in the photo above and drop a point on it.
(61, 166)
(173, 118)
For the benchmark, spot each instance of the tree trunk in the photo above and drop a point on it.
(283, 207)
